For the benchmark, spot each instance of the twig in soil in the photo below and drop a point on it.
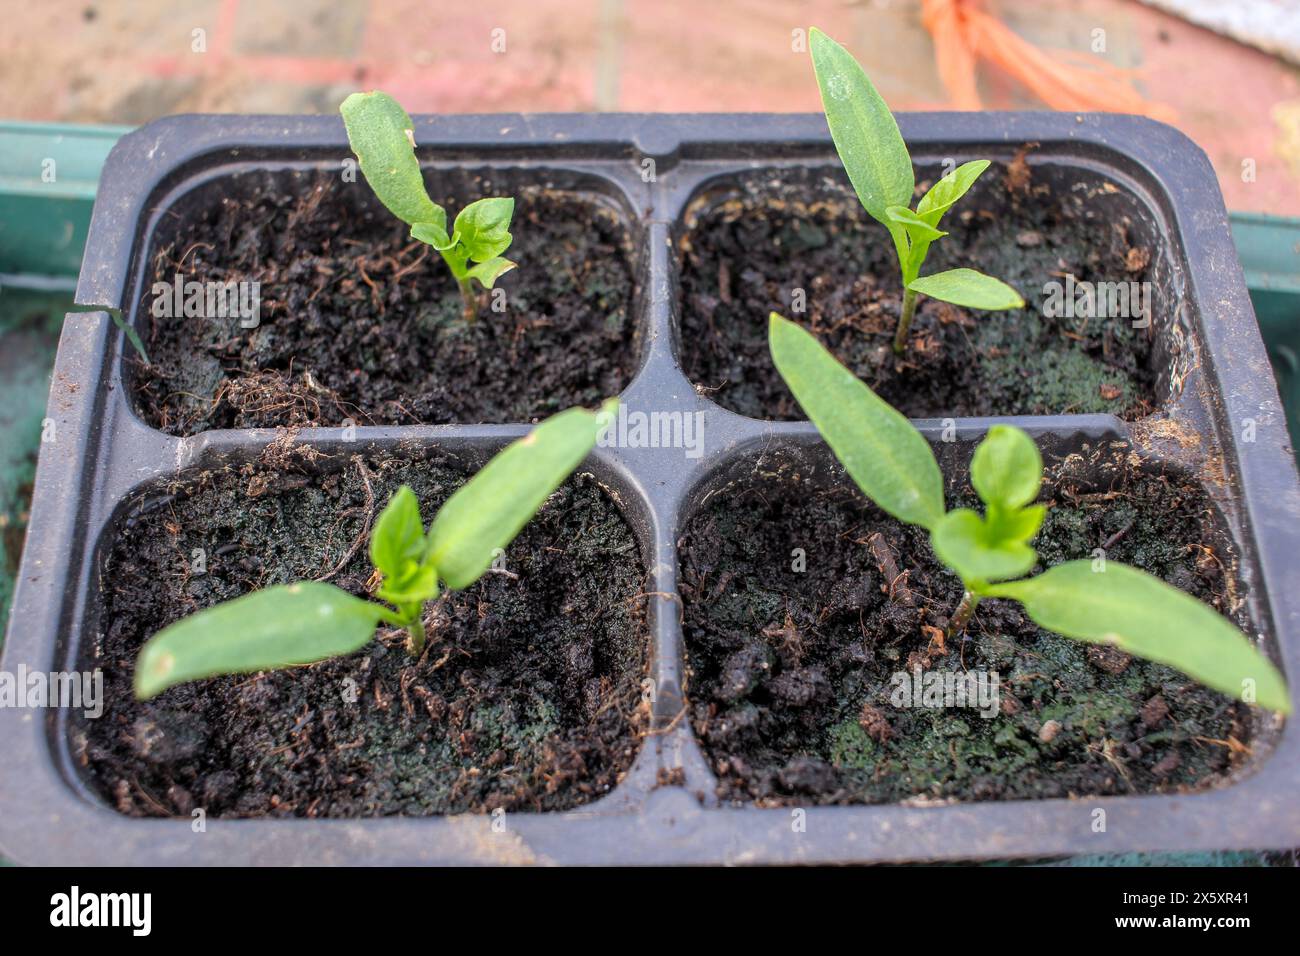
(885, 560)
(365, 529)
(1114, 539)
(961, 617)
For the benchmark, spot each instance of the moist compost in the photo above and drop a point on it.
(359, 322)
(791, 674)
(748, 247)
(527, 698)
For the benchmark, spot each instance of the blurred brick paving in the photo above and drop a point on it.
(132, 60)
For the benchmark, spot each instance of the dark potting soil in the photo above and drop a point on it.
(744, 253)
(528, 697)
(791, 675)
(361, 322)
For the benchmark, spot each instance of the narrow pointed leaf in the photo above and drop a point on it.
(966, 287)
(1007, 468)
(276, 627)
(865, 133)
(889, 459)
(129, 331)
(381, 135)
(1141, 615)
(916, 227)
(948, 190)
(493, 506)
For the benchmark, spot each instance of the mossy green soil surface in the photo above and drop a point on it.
(790, 674)
(743, 255)
(527, 697)
(360, 321)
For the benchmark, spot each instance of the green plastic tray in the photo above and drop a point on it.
(1269, 248)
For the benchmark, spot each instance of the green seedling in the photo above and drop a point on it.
(880, 168)
(383, 138)
(309, 621)
(119, 319)
(1103, 602)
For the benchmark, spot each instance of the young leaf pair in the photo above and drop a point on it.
(880, 168)
(310, 621)
(1114, 604)
(383, 138)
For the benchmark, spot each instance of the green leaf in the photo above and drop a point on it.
(484, 228)
(397, 540)
(128, 330)
(916, 227)
(381, 135)
(1020, 524)
(940, 197)
(1007, 469)
(970, 546)
(966, 287)
(276, 627)
(889, 459)
(435, 233)
(120, 321)
(493, 506)
(865, 133)
(488, 272)
(418, 584)
(1142, 615)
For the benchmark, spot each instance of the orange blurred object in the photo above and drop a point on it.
(1062, 79)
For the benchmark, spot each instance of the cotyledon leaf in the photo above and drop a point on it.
(889, 459)
(1144, 616)
(382, 136)
(492, 507)
(864, 130)
(275, 627)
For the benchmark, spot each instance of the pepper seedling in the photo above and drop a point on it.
(382, 136)
(309, 621)
(880, 168)
(1106, 603)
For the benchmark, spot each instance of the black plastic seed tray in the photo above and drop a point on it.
(1214, 391)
